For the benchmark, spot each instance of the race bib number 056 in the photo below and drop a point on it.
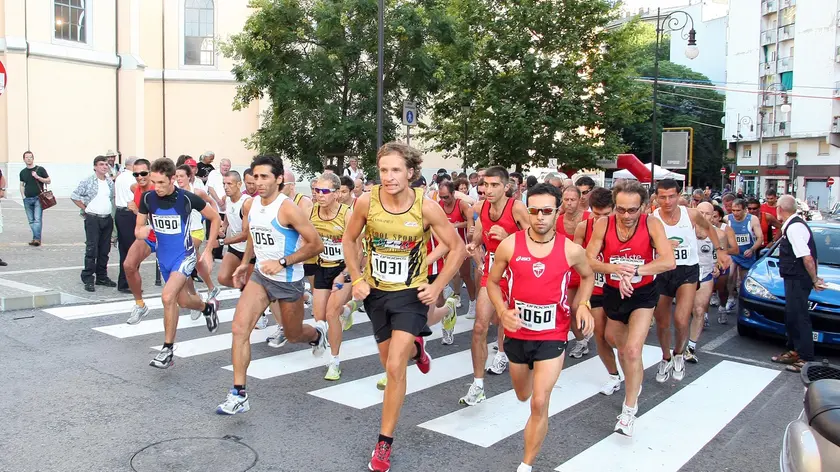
(262, 237)
(166, 224)
(537, 317)
(391, 269)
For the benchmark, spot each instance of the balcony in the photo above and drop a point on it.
(785, 64)
(835, 125)
(767, 68)
(768, 37)
(787, 3)
(768, 130)
(837, 52)
(786, 32)
(770, 99)
(768, 6)
(774, 160)
(837, 88)
(782, 129)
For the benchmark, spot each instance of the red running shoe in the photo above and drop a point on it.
(381, 458)
(424, 361)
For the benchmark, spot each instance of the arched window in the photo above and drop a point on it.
(199, 44)
(70, 20)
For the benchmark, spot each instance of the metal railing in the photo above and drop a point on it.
(783, 128)
(767, 68)
(768, 37)
(772, 160)
(786, 32)
(768, 6)
(785, 64)
(768, 130)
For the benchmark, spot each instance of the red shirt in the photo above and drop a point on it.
(538, 287)
(765, 208)
(561, 228)
(599, 278)
(506, 221)
(638, 250)
(456, 217)
(137, 195)
(437, 266)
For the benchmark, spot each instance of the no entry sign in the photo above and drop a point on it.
(2, 78)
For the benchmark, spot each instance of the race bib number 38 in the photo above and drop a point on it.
(166, 224)
(537, 317)
(391, 269)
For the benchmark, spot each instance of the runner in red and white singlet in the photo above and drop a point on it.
(140, 249)
(441, 310)
(499, 217)
(460, 214)
(567, 224)
(537, 263)
(634, 248)
(600, 201)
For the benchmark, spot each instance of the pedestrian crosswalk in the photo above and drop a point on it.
(707, 401)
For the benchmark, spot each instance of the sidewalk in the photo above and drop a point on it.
(49, 275)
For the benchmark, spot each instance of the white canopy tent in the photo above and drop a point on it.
(658, 174)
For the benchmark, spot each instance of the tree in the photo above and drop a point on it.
(317, 62)
(543, 79)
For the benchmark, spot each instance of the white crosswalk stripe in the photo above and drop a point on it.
(78, 312)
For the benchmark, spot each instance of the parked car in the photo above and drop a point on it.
(761, 297)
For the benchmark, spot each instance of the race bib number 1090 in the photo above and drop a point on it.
(166, 224)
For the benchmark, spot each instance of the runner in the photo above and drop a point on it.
(627, 241)
(281, 237)
(250, 183)
(681, 282)
(537, 266)
(749, 239)
(396, 220)
(235, 238)
(568, 222)
(460, 214)
(140, 249)
(709, 271)
(345, 192)
(499, 217)
(169, 209)
(586, 185)
(185, 178)
(600, 201)
(332, 285)
(768, 222)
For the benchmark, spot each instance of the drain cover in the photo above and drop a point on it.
(195, 455)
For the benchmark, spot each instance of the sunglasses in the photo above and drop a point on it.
(754, 209)
(480, 194)
(631, 211)
(585, 192)
(140, 174)
(547, 211)
(323, 191)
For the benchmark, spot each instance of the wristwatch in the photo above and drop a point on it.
(720, 248)
(636, 272)
(283, 262)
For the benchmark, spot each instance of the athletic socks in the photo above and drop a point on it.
(168, 345)
(614, 373)
(335, 360)
(692, 345)
(478, 382)
(240, 390)
(387, 440)
(140, 303)
(523, 467)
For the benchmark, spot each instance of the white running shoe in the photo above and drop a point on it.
(307, 300)
(213, 293)
(448, 323)
(474, 396)
(319, 348)
(195, 314)
(457, 301)
(612, 385)
(715, 300)
(625, 420)
(678, 370)
(448, 291)
(471, 310)
(333, 371)
(233, 404)
(278, 339)
(262, 323)
(664, 371)
(730, 305)
(499, 365)
(581, 349)
(137, 314)
(706, 323)
(163, 359)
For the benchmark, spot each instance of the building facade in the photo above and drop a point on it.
(782, 110)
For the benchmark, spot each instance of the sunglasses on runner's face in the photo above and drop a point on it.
(631, 211)
(547, 211)
(323, 191)
(585, 192)
(140, 174)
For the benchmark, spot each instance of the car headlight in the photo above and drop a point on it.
(757, 290)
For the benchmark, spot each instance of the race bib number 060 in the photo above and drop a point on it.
(537, 317)
(391, 269)
(166, 224)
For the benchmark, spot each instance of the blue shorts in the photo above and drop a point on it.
(183, 263)
(152, 246)
(707, 278)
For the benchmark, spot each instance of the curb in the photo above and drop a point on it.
(27, 302)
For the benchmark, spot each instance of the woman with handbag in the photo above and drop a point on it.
(32, 181)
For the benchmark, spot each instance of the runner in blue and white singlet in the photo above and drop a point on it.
(272, 240)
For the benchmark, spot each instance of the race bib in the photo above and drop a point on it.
(166, 224)
(627, 260)
(262, 237)
(391, 269)
(599, 279)
(537, 317)
(333, 251)
(681, 253)
(742, 239)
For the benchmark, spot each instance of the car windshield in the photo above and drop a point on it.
(827, 240)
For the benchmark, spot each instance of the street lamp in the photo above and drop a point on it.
(675, 21)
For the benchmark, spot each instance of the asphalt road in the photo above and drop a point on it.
(80, 396)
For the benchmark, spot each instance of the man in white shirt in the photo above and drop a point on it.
(216, 184)
(125, 219)
(95, 196)
(354, 172)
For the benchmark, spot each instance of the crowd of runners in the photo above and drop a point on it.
(550, 265)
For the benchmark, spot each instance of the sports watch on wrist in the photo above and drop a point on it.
(283, 262)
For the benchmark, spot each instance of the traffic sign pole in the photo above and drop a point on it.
(409, 117)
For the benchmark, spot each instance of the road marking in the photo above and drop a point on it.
(746, 360)
(720, 394)
(124, 330)
(55, 269)
(363, 393)
(78, 312)
(22, 286)
(718, 341)
(290, 363)
(222, 342)
(504, 415)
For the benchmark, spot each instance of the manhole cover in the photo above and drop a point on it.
(195, 455)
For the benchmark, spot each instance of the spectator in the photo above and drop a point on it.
(353, 171)
(95, 196)
(216, 185)
(358, 187)
(205, 166)
(798, 267)
(113, 167)
(125, 219)
(32, 181)
(473, 180)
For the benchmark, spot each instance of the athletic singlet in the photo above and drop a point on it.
(765, 228)
(196, 220)
(599, 278)
(273, 241)
(684, 234)
(744, 238)
(637, 251)
(331, 232)
(506, 221)
(137, 195)
(233, 216)
(538, 288)
(437, 266)
(561, 228)
(397, 244)
(297, 198)
(456, 217)
(707, 256)
(170, 225)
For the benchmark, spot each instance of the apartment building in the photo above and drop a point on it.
(783, 97)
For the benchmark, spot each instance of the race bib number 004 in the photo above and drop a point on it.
(333, 251)
(166, 224)
(391, 269)
(537, 317)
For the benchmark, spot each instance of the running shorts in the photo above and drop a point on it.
(309, 269)
(619, 309)
(198, 234)
(597, 301)
(325, 276)
(279, 291)
(239, 255)
(669, 282)
(520, 351)
(400, 310)
(183, 264)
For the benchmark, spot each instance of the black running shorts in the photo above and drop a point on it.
(597, 301)
(325, 276)
(619, 309)
(527, 352)
(240, 255)
(669, 282)
(400, 311)
(309, 269)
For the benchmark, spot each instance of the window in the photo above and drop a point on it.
(199, 44)
(71, 20)
(791, 147)
(747, 150)
(824, 148)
